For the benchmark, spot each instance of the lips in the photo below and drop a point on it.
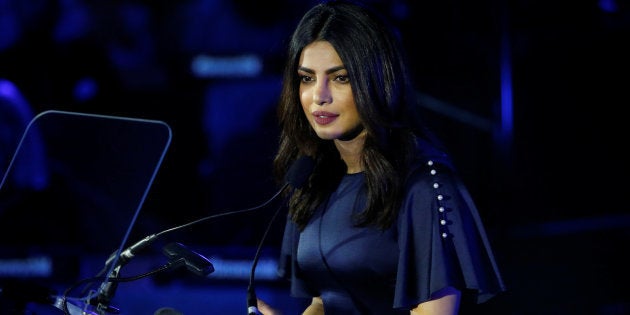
(324, 118)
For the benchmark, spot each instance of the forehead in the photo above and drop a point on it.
(319, 54)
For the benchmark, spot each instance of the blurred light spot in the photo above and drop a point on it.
(85, 89)
(28, 267)
(10, 30)
(231, 269)
(608, 6)
(204, 66)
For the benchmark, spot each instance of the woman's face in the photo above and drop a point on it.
(326, 93)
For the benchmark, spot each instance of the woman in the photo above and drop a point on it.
(382, 224)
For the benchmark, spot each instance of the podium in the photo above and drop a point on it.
(74, 187)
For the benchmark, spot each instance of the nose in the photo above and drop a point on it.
(321, 94)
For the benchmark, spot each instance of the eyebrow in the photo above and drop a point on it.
(329, 71)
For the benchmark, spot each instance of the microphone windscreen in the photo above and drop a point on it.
(299, 171)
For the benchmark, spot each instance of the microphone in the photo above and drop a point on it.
(195, 262)
(130, 252)
(300, 171)
(107, 289)
(296, 176)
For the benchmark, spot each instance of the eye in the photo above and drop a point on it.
(342, 78)
(305, 78)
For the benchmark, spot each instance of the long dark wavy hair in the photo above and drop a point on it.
(371, 51)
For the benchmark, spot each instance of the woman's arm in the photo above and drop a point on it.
(316, 307)
(443, 302)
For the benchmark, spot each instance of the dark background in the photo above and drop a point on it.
(529, 96)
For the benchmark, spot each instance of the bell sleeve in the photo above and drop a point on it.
(442, 240)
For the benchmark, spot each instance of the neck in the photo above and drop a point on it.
(350, 152)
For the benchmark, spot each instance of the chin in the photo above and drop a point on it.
(327, 135)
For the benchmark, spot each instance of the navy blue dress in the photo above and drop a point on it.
(438, 240)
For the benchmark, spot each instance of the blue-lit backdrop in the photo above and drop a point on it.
(528, 96)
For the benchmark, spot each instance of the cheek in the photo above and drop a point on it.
(353, 109)
(304, 94)
(349, 106)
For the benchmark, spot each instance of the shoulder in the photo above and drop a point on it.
(429, 164)
(431, 178)
(428, 181)
(433, 198)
